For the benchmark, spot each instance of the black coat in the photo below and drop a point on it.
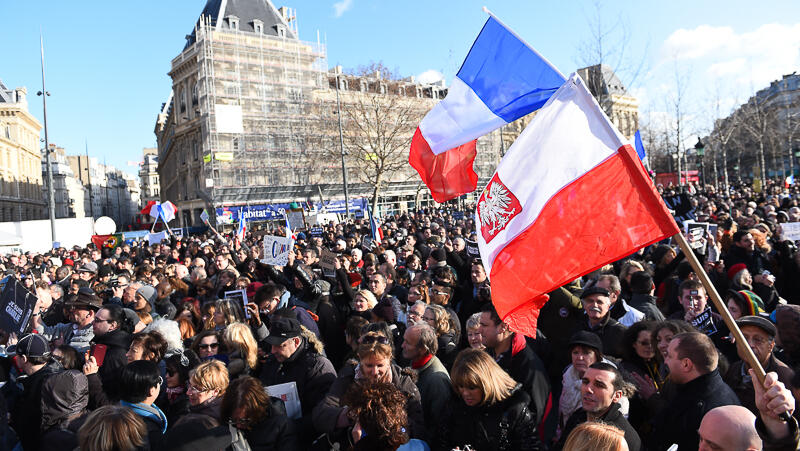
(610, 332)
(117, 343)
(275, 433)
(612, 416)
(525, 367)
(26, 415)
(313, 374)
(679, 420)
(505, 425)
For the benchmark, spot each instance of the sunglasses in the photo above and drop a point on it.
(209, 346)
(369, 339)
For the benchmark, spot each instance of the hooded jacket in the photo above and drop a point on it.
(65, 396)
(26, 415)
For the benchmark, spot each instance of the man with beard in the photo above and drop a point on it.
(78, 333)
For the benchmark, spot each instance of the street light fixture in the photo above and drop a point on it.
(700, 149)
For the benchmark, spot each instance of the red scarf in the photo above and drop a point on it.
(417, 364)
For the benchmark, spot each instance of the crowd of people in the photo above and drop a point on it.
(396, 345)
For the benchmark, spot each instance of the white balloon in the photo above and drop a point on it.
(104, 226)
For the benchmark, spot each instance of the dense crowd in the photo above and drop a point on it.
(396, 345)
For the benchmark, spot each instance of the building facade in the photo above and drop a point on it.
(252, 118)
(108, 191)
(619, 105)
(69, 193)
(20, 159)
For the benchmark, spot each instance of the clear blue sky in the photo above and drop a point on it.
(107, 61)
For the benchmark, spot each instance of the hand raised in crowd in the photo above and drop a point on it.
(90, 367)
(12, 339)
(252, 310)
(773, 399)
(645, 385)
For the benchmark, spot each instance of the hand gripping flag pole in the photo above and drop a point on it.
(722, 308)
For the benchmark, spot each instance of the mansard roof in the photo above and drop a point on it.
(247, 12)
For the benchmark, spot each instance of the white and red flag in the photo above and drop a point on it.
(570, 196)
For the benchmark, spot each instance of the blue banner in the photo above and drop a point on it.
(273, 212)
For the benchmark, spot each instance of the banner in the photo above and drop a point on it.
(790, 231)
(276, 250)
(296, 219)
(16, 307)
(681, 207)
(155, 238)
(316, 232)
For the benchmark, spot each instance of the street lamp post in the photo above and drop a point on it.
(341, 149)
(50, 191)
(700, 148)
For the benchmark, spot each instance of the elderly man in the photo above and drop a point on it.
(596, 303)
(78, 332)
(760, 335)
(419, 347)
(620, 310)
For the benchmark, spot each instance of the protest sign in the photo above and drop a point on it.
(316, 232)
(472, 249)
(16, 307)
(240, 297)
(327, 261)
(790, 231)
(288, 394)
(696, 232)
(276, 250)
(155, 238)
(458, 215)
(703, 322)
(296, 219)
(366, 242)
(681, 206)
(204, 216)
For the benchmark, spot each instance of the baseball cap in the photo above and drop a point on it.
(31, 345)
(282, 329)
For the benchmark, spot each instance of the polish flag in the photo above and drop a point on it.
(501, 80)
(570, 196)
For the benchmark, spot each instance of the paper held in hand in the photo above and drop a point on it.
(288, 394)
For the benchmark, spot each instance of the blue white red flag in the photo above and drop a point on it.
(242, 229)
(789, 181)
(375, 227)
(289, 233)
(501, 80)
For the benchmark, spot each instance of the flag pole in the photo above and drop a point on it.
(741, 343)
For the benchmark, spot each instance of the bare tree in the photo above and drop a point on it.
(757, 121)
(721, 137)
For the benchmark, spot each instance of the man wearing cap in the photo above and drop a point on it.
(33, 357)
(596, 303)
(620, 310)
(78, 332)
(760, 335)
(293, 359)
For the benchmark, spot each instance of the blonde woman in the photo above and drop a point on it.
(242, 347)
(489, 410)
(226, 313)
(439, 319)
(113, 428)
(207, 383)
(594, 436)
(364, 301)
(375, 365)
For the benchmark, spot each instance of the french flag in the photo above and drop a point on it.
(789, 181)
(569, 196)
(242, 229)
(501, 80)
(375, 228)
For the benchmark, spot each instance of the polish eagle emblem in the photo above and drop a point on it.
(496, 207)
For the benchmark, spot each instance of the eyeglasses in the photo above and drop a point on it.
(209, 346)
(369, 339)
(194, 389)
(241, 423)
(98, 320)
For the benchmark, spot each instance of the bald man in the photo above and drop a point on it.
(729, 427)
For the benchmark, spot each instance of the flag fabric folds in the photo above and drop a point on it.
(637, 142)
(569, 196)
(165, 211)
(241, 229)
(501, 80)
(375, 227)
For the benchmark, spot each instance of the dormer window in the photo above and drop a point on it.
(281, 31)
(343, 84)
(382, 88)
(258, 26)
(363, 86)
(233, 22)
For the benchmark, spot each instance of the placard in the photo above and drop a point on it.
(367, 242)
(316, 232)
(16, 307)
(458, 215)
(155, 238)
(204, 216)
(472, 249)
(239, 296)
(790, 231)
(296, 219)
(704, 322)
(327, 261)
(288, 394)
(682, 207)
(276, 250)
(697, 231)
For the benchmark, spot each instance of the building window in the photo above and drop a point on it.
(195, 150)
(419, 92)
(233, 22)
(382, 88)
(194, 94)
(281, 31)
(363, 86)
(401, 91)
(258, 26)
(343, 84)
(182, 97)
(235, 144)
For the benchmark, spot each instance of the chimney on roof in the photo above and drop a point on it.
(377, 75)
(284, 12)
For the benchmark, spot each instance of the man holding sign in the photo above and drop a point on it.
(694, 300)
